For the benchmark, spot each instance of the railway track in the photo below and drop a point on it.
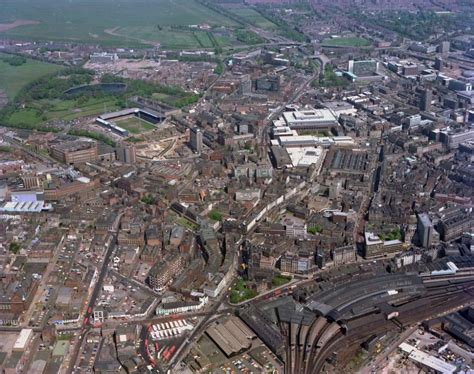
(309, 348)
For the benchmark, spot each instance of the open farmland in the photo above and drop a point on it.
(13, 78)
(168, 37)
(250, 15)
(109, 22)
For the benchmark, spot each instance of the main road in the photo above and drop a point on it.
(92, 300)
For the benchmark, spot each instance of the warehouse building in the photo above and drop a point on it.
(231, 336)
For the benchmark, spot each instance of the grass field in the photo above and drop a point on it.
(215, 215)
(134, 125)
(241, 292)
(167, 37)
(43, 111)
(161, 96)
(280, 280)
(14, 78)
(203, 39)
(346, 42)
(186, 223)
(108, 22)
(253, 17)
(175, 101)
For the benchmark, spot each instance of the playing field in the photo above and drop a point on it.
(13, 78)
(346, 42)
(108, 22)
(134, 125)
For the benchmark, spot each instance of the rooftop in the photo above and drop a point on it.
(425, 359)
(308, 116)
(25, 206)
(74, 145)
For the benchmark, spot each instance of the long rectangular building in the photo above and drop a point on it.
(427, 361)
(232, 336)
(310, 140)
(314, 119)
(75, 152)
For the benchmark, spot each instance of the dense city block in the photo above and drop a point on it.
(236, 186)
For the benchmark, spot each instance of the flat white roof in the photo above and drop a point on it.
(22, 339)
(425, 359)
(25, 206)
(83, 179)
(298, 138)
(304, 156)
(371, 238)
(281, 130)
(278, 122)
(309, 140)
(343, 139)
(392, 242)
(308, 116)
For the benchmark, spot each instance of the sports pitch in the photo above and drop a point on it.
(134, 125)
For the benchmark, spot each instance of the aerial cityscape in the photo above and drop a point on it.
(236, 186)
